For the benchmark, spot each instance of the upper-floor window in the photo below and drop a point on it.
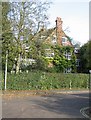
(64, 39)
(76, 50)
(67, 55)
(49, 53)
(54, 39)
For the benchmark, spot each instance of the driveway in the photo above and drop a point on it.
(61, 105)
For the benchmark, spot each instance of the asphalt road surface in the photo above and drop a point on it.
(50, 106)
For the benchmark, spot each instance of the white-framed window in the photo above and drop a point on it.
(43, 36)
(67, 55)
(68, 70)
(76, 50)
(64, 39)
(77, 62)
(49, 53)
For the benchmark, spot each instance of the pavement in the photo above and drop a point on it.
(45, 104)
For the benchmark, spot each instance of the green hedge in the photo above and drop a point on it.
(44, 81)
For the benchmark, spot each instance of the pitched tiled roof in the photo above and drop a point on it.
(46, 34)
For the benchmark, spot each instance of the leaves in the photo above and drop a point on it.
(61, 60)
(39, 80)
(21, 21)
(85, 57)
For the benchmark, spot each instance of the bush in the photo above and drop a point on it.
(35, 80)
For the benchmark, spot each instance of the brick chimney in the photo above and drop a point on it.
(59, 30)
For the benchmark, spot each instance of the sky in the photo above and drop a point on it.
(75, 17)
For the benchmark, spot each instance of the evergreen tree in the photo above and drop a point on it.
(7, 43)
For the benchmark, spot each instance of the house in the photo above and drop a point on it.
(51, 37)
(54, 36)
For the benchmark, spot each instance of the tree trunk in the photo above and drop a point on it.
(18, 64)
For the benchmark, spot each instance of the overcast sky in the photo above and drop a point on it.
(75, 17)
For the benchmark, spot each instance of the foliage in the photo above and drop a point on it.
(61, 60)
(38, 80)
(85, 57)
(41, 63)
(7, 37)
(21, 21)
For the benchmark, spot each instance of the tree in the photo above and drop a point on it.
(85, 57)
(26, 19)
(7, 35)
(6, 39)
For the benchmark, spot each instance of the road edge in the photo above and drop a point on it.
(82, 111)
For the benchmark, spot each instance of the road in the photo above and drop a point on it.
(50, 106)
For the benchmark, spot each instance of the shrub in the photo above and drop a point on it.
(35, 80)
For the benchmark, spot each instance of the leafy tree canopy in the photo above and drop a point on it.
(85, 57)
